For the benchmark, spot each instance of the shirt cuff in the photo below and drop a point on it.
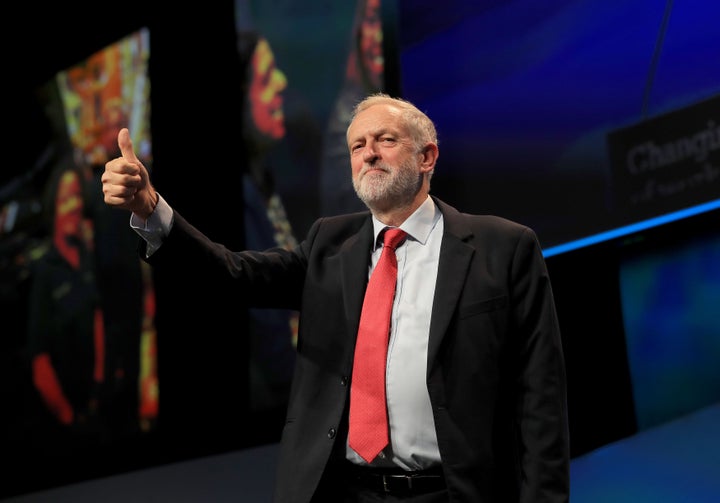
(156, 228)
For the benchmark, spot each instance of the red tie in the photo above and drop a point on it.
(369, 433)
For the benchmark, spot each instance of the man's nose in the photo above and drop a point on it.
(369, 153)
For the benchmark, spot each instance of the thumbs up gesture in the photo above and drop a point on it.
(126, 182)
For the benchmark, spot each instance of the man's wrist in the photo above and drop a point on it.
(153, 201)
(149, 206)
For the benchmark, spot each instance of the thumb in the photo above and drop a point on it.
(126, 146)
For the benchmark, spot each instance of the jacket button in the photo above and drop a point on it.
(331, 433)
(343, 381)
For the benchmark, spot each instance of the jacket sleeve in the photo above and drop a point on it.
(542, 404)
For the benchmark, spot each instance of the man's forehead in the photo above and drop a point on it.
(376, 119)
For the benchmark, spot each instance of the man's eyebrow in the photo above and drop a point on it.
(376, 132)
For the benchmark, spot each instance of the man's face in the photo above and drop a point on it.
(266, 86)
(384, 160)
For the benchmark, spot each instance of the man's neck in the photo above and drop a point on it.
(395, 216)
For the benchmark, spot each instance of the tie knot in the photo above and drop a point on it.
(393, 237)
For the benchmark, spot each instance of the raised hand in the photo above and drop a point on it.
(126, 181)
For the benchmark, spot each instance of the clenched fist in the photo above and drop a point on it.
(126, 182)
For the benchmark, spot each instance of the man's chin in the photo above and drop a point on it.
(377, 202)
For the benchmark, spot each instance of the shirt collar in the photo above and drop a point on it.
(418, 225)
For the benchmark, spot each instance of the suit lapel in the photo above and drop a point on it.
(354, 262)
(455, 256)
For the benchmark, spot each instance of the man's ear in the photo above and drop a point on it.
(429, 155)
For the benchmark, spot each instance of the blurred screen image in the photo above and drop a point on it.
(77, 300)
(669, 301)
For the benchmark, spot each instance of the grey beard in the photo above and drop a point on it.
(391, 189)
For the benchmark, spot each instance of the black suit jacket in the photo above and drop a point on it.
(496, 374)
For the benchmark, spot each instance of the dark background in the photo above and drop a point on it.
(194, 78)
(530, 98)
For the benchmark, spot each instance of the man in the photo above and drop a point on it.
(475, 372)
